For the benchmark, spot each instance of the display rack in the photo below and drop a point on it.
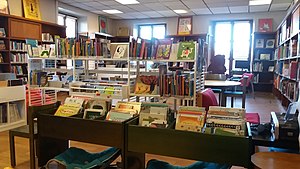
(287, 56)
(12, 107)
(263, 60)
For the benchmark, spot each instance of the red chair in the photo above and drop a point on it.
(249, 81)
(207, 98)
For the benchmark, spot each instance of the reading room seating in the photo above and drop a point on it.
(207, 98)
(29, 131)
(222, 77)
(233, 93)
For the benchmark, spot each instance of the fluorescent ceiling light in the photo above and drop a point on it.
(260, 2)
(112, 11)
(127, 2)
(180, 11)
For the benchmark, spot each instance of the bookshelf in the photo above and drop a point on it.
(17, 30)
(287, 57)
(12, 107)
(263, 60)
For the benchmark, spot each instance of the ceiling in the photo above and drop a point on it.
(164, 8)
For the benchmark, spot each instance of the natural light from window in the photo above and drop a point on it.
(152, 31)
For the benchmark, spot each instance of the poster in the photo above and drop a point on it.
(102, 24)
(32, 9)
(4, 7)
(265, 25)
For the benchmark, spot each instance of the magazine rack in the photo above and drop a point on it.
(53, 137)
(190, 145)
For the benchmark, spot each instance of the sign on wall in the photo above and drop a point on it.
(102, 24)
(31, 9)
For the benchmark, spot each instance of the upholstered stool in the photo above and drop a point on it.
(156, 164)
(253, 118)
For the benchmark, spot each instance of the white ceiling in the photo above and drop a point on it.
(164, 8)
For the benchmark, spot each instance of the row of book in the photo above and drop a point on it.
(18, 46)
(288, 88)
(14, 113)
(17, 69)
(289, 69)
(287, 50)
(18, 58)
(47, 37)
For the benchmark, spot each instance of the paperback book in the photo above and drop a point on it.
(186, 51)
(190, 118)
(163, 51)
(119, 50)
(154, 115)
(146, 85)
(71, 106)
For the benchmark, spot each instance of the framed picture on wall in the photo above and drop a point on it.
(270, 43)
(185, 25)
(31, 9)
(4, 7)
(102, 24)
(265, 25)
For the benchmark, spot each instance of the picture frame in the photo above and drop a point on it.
(4, 7)
(265, 25)
(270, 43)
(271, 68)
(259, 43)
(102, 24)
(31, 9)
(265, 56)
(185, 25)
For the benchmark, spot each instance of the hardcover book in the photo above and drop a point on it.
(164, 47)
(190, 118)
(146, 85)
(119, 50)
(70, 107)
(186, 51)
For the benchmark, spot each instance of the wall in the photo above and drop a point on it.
(87, 21)
(201, 23)
(48, 9)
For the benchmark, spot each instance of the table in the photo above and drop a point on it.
(276, 160)
(221, 85)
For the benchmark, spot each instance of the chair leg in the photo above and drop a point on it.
(223, 102)
(12, 149)
(32, 153)
(244, 101)
(232, 100)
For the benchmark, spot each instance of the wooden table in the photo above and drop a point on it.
(221, 85)
(276, 160)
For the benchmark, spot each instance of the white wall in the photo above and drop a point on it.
(87, 21)
(200, 23)
(48, 9)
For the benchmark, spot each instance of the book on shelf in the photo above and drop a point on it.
(119, 50)
(226, 121)
(2, 45)
(146, 84)
(2, 32)
(186, 51)
(14, 112)
(154, 115)
(98, 104)
(123, 111)
(1, 58)
(3, 113)
(71, 106)
(190, 118)
(293, 69)
(164, 48)
(18, 58)
(47, 37)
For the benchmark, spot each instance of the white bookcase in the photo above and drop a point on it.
(12, 107)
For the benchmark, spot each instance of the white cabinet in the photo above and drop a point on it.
(12, 107)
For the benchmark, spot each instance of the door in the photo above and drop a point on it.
(233, 39)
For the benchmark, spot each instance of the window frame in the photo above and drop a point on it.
(152, 25)
(70, 16)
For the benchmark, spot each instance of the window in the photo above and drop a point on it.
(70, 22)
(152, 31)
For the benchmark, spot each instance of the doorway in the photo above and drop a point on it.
(233, 39)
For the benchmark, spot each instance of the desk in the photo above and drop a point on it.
(221, 85)
(276, 160)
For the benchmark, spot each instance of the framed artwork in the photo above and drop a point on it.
(31, 9)
(185, 25)
(4, 7)
(265, 25)
(102, 24)
(270, 43)
(259, 43)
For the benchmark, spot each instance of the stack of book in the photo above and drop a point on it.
(190, 118)
(226, 121)
(154, 115)
(124, 111)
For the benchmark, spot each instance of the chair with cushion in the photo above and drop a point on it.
(207, 98)
(29, 131)
(234, 94)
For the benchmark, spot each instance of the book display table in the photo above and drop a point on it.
(189, 145)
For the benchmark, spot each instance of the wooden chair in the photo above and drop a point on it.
(29, 131)
(233, 94)
(206, 98)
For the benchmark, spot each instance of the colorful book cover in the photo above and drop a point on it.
(189, 122)
(186, 51)
(164, 47)
(118, 116)
(146, 85)
(93, 114)
(67, 110)
(32, 9)
(134, 107)
(119, 50)
(146, 119)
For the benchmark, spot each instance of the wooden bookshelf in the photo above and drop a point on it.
(18, 29)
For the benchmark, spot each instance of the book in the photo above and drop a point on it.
(71, 106)
(131, 107)
(2, 32)
(118, 116)
(119, 50)
(2, 45)
(146, 85)
(164, 48)
(93, 114)
(99, 104)
(186, 51)
(190, 118)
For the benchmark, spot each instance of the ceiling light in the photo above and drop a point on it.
(260, 2)
(180, 11)
(112, 11)
(128, 2)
